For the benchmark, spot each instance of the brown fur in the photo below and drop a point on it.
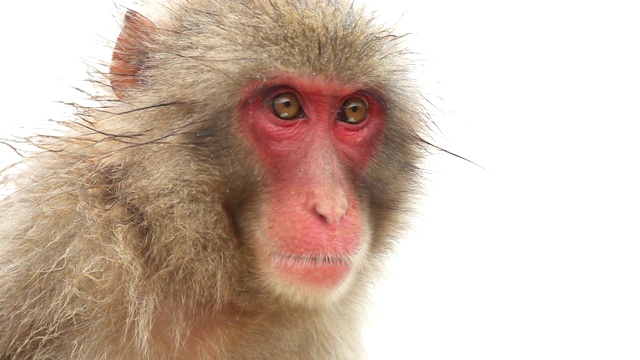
(131, 236)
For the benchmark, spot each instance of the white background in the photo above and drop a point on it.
(533, 256)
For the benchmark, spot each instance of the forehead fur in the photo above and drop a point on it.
(252, 39)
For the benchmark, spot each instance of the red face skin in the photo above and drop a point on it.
(315, 227)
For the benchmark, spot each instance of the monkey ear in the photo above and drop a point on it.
(129, 53)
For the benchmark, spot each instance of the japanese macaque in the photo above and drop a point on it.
(232, 197)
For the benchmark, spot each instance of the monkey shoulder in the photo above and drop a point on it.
(60, 258)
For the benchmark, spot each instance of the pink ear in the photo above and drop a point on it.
(129, 54)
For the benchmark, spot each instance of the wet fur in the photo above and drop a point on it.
(130, 236)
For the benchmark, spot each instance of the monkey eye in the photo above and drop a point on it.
(286, 106)
(353, 111)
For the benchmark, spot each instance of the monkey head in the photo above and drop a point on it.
(312, 104)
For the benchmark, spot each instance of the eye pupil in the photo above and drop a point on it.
(286, 106)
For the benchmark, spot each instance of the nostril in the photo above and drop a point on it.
(322, 217)
(331, 210)
(321, 214)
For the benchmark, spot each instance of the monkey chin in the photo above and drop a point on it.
(310, 280)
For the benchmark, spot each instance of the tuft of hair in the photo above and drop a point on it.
(121, 237)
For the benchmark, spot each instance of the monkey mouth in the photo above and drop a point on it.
(324, 271)
(305, 261)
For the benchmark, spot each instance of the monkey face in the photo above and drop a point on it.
(313, 138)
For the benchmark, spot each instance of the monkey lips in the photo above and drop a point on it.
(321, 271)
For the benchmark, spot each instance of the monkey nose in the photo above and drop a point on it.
(330, 207)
